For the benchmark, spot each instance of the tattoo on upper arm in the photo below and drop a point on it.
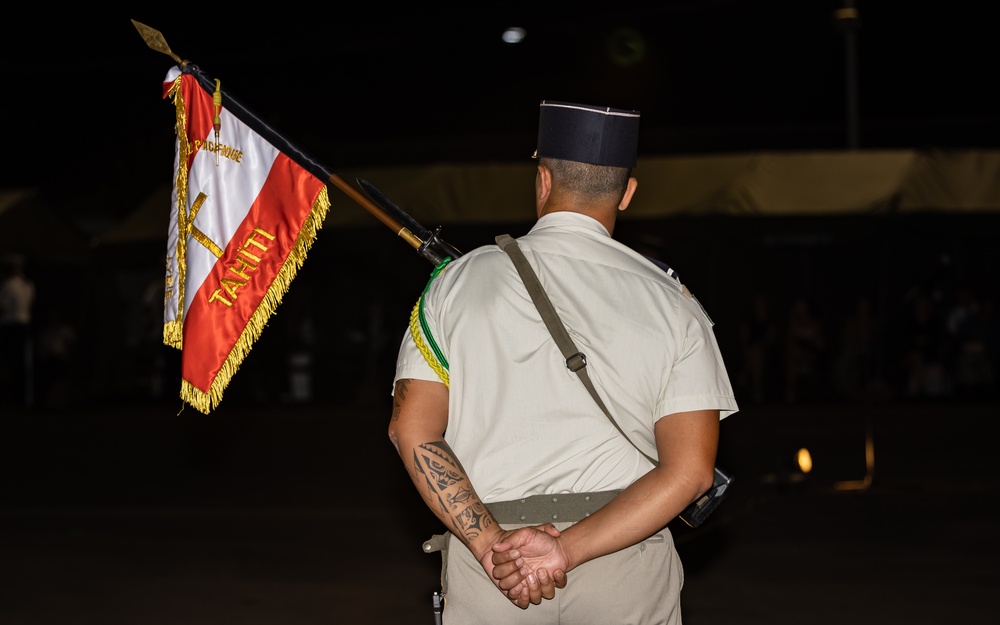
(399, 396)
(448, 484)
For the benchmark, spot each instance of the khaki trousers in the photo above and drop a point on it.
(639, 585)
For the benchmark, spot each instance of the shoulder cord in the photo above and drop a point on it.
(418, 322)
(576, 360)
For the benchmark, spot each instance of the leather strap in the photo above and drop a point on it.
(576, 360)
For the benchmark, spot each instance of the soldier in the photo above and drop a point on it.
(542, 496)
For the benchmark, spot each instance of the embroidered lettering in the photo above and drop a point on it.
(226, 151)
(228, 290)
(168, 291)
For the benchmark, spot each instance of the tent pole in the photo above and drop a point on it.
(847, 18)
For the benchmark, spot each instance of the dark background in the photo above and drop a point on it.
(118, 504)
(367, 84)
(370, 85)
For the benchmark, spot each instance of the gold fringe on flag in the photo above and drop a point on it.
(205, 402)
(173, 331)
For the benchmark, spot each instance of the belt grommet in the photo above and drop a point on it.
(586, 498)
(522, 501)
(555, 516)
(555, 500)
(523, 517)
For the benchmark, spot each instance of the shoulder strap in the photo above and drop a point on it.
(576, 360)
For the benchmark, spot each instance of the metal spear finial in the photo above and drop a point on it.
(155, 40)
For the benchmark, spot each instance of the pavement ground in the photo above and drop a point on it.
(293, 515)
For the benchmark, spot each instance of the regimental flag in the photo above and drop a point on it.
(243, 216)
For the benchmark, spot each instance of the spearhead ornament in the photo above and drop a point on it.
(154, 39)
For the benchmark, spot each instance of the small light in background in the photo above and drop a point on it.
(514, 34)
(804, 458)
(790, 473)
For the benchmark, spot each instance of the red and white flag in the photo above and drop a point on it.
(243, 216)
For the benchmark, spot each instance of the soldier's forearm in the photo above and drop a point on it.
(450, 495)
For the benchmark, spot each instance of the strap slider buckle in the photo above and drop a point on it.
(576, 362)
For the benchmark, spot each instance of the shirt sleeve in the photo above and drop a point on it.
(698, 379)
(417, 359)
(411, 364)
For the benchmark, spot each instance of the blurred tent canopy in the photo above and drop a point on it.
(765, 184)
(30, 228)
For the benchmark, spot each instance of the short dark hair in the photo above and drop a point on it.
(588, 180)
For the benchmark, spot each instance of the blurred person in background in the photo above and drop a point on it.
(17, 299)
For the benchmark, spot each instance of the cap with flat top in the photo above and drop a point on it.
(598, 135)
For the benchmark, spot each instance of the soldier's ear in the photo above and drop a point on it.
(543, 184)
(629, 192)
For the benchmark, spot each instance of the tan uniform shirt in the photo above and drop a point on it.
(522, 423)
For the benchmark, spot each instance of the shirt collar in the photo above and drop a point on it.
(570, 219)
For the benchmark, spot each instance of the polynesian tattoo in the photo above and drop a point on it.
(399, 396)
(448, 484)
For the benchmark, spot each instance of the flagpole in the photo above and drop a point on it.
(374, 209)
(430, 246)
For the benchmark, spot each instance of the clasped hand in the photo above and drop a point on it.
(528, 564)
